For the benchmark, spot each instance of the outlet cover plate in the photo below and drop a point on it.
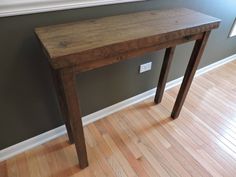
(145, 67)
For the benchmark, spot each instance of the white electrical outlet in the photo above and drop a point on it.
(145, 67)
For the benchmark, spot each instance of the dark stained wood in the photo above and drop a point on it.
(164, 74)
(90, 65)
(61, 98)
(82, 46)
(62, 102)
(76, 43)
(189, 74)
(69, 85)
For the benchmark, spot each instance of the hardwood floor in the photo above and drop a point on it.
(143, 140)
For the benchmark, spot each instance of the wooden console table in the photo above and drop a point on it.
(81, 46)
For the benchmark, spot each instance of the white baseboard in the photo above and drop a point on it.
(31, 143)
(52, 134)
(215, 65)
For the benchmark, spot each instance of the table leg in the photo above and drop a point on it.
(68, 78)
(62, 102)
(189, 73)
(164, 74)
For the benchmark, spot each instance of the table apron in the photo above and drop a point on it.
(97, 63)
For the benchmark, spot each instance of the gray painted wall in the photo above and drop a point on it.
(28, 104)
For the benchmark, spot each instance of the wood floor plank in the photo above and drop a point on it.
(177, 150)
(157, 147)
(207, 142)
(23, 170)
(97, 155)
(132, 142)
(188, 144)
(205, 122)
(143, 141)
(107, 152)
(160, 169)
(3, 169)
(134, 163)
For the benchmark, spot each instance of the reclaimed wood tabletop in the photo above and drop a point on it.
(79, 42)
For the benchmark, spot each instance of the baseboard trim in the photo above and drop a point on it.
(31, 143)
(52, 134)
